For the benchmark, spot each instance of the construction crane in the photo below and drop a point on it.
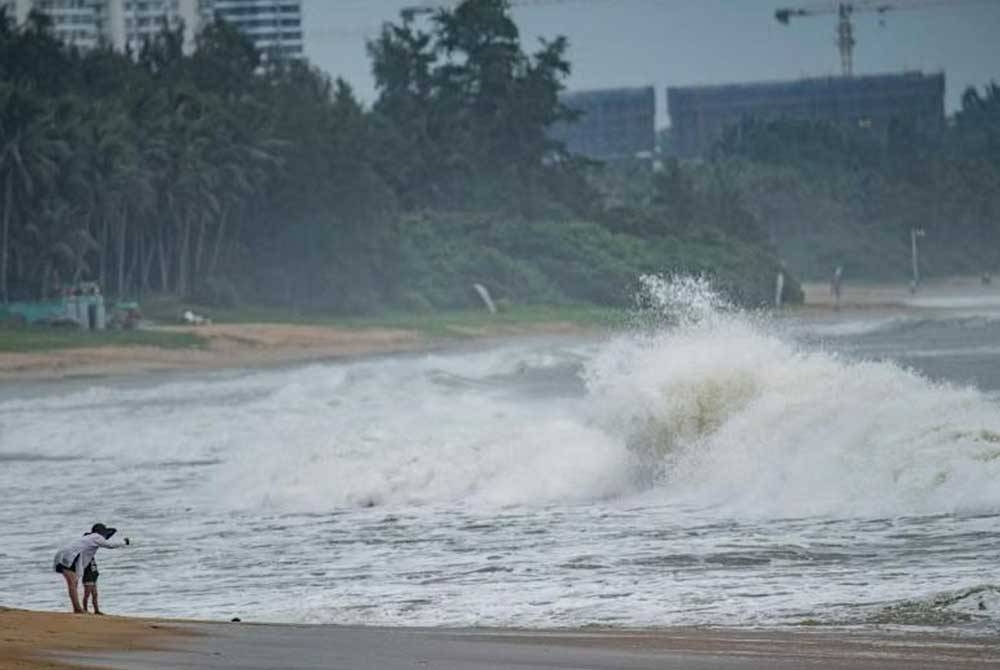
(845, 27)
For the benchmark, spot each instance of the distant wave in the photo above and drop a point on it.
(956, 302)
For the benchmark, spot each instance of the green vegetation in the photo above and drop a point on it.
(465, 323)
(40, 338)
(222, 179)
(836, 196)
(433, 323)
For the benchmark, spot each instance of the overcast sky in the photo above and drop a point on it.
(680, 42)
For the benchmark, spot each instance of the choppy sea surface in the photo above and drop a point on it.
(707, 466)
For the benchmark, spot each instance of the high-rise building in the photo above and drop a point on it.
(275, 26)
(76, 22)
(117, 23)
(612, 123)
(130, 22)
(700, 115)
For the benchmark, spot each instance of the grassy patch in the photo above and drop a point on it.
(48, 339)
(166, 310)
(465, 322)
(444, 323)
(429, 322)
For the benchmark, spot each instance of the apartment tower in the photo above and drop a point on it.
(274, 26)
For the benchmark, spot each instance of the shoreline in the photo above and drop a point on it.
(51, 641)
(944, 293)
(228, 346)
(256, 346)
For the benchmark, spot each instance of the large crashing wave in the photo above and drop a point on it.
(723, 412)
(700, 404)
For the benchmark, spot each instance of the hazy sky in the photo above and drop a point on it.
(679, 42)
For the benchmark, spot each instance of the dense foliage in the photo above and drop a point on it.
(832, 196)
(217, 175)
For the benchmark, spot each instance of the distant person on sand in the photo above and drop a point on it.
(835, 285)
(72, 559)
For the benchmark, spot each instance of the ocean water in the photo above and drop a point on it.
(705, 467)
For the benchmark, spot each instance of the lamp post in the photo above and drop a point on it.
(914, 234)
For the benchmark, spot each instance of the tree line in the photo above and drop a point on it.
(221, 175)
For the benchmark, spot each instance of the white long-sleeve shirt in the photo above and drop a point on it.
(82, 551)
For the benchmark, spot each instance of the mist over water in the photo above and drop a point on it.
(709, 466)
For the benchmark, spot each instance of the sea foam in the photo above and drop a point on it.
(730, 414)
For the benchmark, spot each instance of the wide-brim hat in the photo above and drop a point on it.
(103, 530)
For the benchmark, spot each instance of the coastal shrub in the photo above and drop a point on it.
(564, 262)
(11, 321)
(217, 292)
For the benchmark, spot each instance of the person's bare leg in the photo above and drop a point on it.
(74, 595)
(93, 597)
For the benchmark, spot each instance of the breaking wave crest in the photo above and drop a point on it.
(720, 411)
(700, 404)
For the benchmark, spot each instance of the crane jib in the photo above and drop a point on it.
(844, 10)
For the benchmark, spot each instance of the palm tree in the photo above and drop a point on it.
(57, 247)
(244, 157)
(104, 154)
(29, 158)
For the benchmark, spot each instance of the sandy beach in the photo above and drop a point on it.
(248, 345)
(228, 346)
(47, 641)
(27, 638)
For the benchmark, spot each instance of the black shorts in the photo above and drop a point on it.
(90, 573)
(60, 568)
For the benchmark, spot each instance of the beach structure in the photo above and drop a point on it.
(82, 305)
(699, 115)
(613, 123)
(274, 26)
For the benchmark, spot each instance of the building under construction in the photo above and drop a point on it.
(699, 115)
(613, 123)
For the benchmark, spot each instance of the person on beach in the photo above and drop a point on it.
(836, 285)
(73, 558)
(90, 575)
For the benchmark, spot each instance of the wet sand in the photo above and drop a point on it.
(33, 640)
(28, 638)
(937, 293)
